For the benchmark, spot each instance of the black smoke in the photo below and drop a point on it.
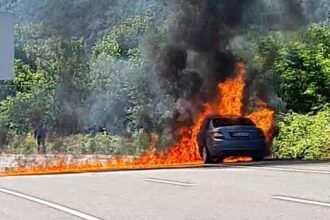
(196, 56)
(294, 13)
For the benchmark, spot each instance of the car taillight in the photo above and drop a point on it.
(217, 135)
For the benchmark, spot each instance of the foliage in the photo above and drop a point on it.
(298, 67)
(101, 144)
(118, 83)
(32, 103)
(56, 83)
(304, 70)
(71, 90)
(303, 136)
(25, 79)
(24, 112)
(49, 80)
(87, 19)
(22, 144)
(122, 38)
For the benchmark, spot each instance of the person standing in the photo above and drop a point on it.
(40, 135)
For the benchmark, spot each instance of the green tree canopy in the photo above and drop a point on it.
(304, 71)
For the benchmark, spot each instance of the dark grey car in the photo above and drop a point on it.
(223, 136)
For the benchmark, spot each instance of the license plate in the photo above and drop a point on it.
(240, 134)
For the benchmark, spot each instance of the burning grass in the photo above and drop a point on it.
(183, 152)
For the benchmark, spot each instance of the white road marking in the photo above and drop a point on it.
(304, 201)
(282, 169)
(50, 204)
(168, 182)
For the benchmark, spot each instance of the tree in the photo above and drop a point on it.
(123, 38)
(303, 68)
(30, 105)
(295, 65)
(50, 82)
(72, 86)
(120, 87)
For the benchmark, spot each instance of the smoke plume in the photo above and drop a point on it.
(196, 56)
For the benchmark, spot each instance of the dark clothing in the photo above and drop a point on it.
(41, 146)
(40, 135)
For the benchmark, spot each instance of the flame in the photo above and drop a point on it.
(184, 151)
(237, 159)
(263, 118)
(231, 94)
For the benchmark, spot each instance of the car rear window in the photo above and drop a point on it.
(223, 122)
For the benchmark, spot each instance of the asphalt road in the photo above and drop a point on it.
(265, 190)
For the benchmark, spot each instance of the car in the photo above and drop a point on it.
(224, 136)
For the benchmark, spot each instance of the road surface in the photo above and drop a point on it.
(260, 190)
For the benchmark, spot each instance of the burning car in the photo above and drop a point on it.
(224, 136)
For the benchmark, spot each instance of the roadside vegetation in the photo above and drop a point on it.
(297, 67)
(74, 81)
(303, 136)
(81, 144)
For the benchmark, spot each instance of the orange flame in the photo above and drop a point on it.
(237, 159)
(231, 94)
(263, 118)
(185, 151)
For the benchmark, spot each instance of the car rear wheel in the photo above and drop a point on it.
(207, 158)
(258, 158)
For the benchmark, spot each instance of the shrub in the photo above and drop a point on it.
(22, 144)
(74, 144)
(303, 136)
(102, 144)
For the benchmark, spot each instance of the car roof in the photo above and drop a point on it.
(231, 118)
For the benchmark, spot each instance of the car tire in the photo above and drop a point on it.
(207, 158)
(258, 158)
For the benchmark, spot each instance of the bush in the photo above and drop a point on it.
(303, 136)
(22, 144)
(74, 144)
(119, 145)
(102, 144)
